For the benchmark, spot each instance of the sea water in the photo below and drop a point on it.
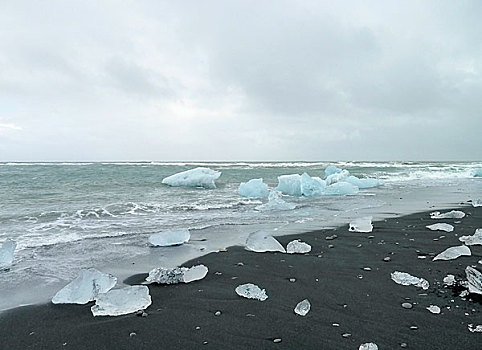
(68, 216)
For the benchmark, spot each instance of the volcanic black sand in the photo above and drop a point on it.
(349, 305)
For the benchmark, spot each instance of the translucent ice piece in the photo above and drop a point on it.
(275, 202)
(361, 225)
(454, 214)
(364, 183)
(368, 346)
(254, 188)
(6, 253)
(475, 239)
(433, 309)
(289, 184)
(162, 275)
(85, 287)
(261, 242)
(298, 247)
(198, 177)
(474, 279)
(331, 169)
(453, 253)
(340, 189)
(122, 301)
(194, 273)
(170, 237)
(337, 177)
(303, 307)
(478, 172)
(441, 227)
(405, 279)
(251, 291)
(449, 280)
(311, 186)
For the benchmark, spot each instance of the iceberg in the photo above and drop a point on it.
(453, 253)
(303, 307)
(289, 184)
(298, 247)
(454, 214)
(254, 188)
(122, 301)
(440, 227)
(364, 183)
(251, 291)
(198, 177)
(361, 225)
(337, 177)
(474, 279)
(275, 202)
(170, 238)
(261, 242)
(86, 287)
(340, 189)
(405, 279)
(311, 186)
(331, 169)
(162, 275)
(6, 253)
(368, 346)
(475, 239)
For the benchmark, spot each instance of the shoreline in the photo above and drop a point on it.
(367, 309)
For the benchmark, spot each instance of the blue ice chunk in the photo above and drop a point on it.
(198, 177)
(478, 172)
(254, 188)
(337, 177)
(311, 186)
(364, 183)
(340, 189)
(331, 169)
(289, 184)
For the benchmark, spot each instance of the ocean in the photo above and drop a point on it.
(68, 216)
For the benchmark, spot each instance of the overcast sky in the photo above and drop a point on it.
(240, 80)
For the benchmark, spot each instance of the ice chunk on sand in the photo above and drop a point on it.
(405, 279)
(170, 237)
(433, 309)
(337, 177)
(163, 275)
(198, 177)
(476, 329)
(449, 280)
(361, 225)
(340, 189)
(303, 307)
(454, 214)
(331, 169)
(475, 239)
(311, 186)
(289, 184)
(477, 203)
(6, 253)
(251, 291)
(298, 247)
(261, 242)
(441, 227)
(474, 279)
(88, 284)
(453, 253)
(364, 183)
(254, 188)
(121, 301)
(275, 202)
(368, 346)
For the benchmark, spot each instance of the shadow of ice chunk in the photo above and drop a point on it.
(162, 275)
(198, 177)
(405, 279)
(454, 214)
(361, 225)
(170, 238)
(440, 227)
(475, 239)
(261, 242)
(303, 307)
(88, 284)
(251, 291)
(275, 202)
(7, 252)
(474, 279)
(298, 247)
(122, 301)
(453, 253)
(254, 188)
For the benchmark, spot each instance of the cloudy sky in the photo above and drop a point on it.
(240, 80)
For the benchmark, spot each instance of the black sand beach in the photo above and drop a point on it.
(349, 305)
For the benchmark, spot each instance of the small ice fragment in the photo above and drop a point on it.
(170, 238)
(289, 184)
(475, 239)
(477, 203)
(198, 177)
(88, 284)
(251, 291)
(298, 247)
(311, 186)
(454, 214)
(405, 279)
(254, 188)
(261, 242)
(433, 309)
(340, 189)
(162, 275)
(474, 279)
(122, 301)
(303, 307)
(441, 227)
(361, 225)
(476, 329)
(453, 253)
(6, 252)
(368, 346)
(194, 273)
(449, 280)
(275, 202)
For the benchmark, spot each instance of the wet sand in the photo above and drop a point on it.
(349, 305)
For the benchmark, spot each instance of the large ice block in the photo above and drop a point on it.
(170, 237)
(198, 177)
(311, 186)
(254, 188)
(340, 189)
(261, 242)
(289, 184)
(361, 225)
(475, 239)
(364, 182)
(331, 169)
(454, 214)
(453, 253)
(440, 227)
(337, 177)
(298, 247)
(122, 301)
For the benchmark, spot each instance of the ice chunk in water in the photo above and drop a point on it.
(364, 183)
(275, 202)
(405, 279)
(251, 291)
(453, 253)
(340, 189)
(289, 184)
(6, 253)
(449, 280)
(85, 287)
(303, 307)
(433, 309)
(368, 346)
(477, 203)
(298, 247)
(361, 225)
(254, 188)
(198, 177)
(331, 169)
(122, 301)
(475, 239)
(261, 242)
(478, 172)
(337, 177)
(311, 186)
(170, 238)
(454, 214)
(162, 275)
(474, 278)
(441, 227)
